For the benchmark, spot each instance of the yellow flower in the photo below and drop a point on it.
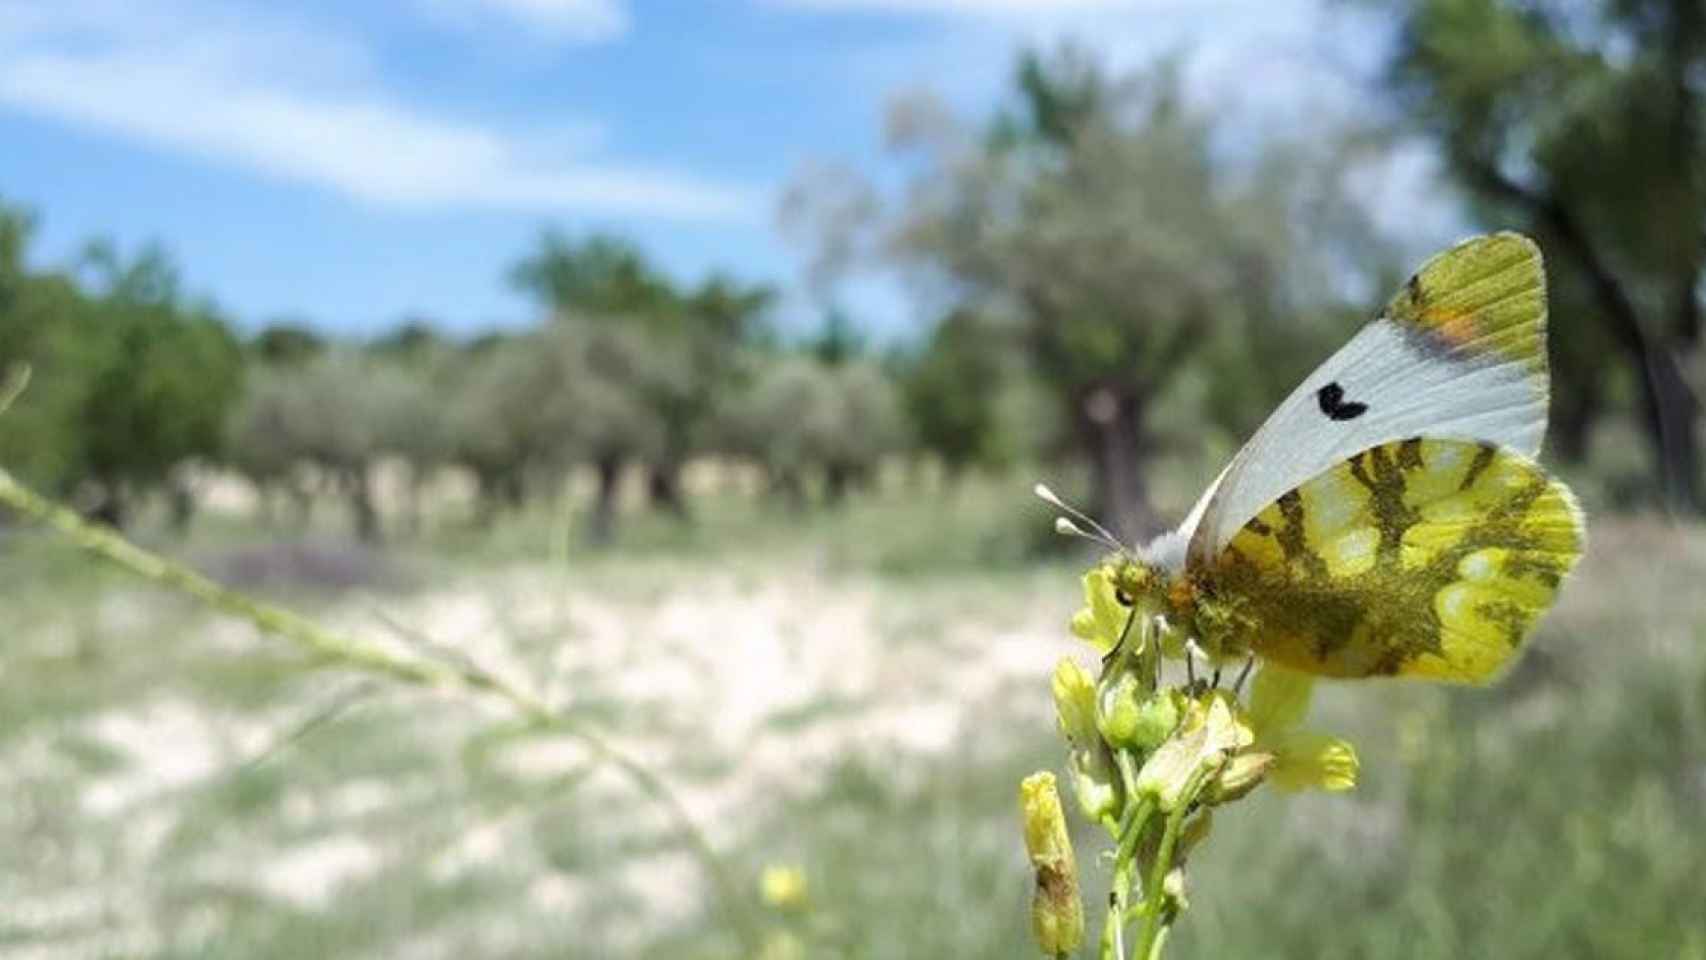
(1057, 915)
(1103, 619)
(1302, 759)
(783, 887)
(1313, 761)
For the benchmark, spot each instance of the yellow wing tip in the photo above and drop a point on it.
(1484, 296)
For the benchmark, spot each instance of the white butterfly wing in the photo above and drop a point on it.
(1460, 353)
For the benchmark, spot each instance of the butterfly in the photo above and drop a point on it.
(1389, 518)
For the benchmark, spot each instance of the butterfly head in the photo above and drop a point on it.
(1151, 579)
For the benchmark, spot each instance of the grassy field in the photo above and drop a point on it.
(855, 694)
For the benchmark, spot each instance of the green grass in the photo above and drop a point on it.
(175, 786)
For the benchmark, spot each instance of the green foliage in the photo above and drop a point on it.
(952, 390)
(600, 275)
(802, 417)
(1584, 125)
(337, 415)
(285, 342)
(130, 382)
(1100, 219)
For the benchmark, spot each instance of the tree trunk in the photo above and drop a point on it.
(1110, 428)
(266, 504)
(663, 489)
(788, 489)
(837, 478)
(603, 524)
(363, 512)
(1573, 414)
(1672, 414)
(513, 488)
(181, 502)
(303, 498)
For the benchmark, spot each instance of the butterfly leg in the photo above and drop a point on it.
(1243, 675)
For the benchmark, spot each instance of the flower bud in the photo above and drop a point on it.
(1243, 773)
(1075, 703)
(1057, 915)
(782, 887)
(1133, 717)
(1094, 783)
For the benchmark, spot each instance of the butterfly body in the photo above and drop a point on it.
(1389, 518)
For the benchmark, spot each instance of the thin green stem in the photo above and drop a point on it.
(362, 655)
(1154, 892)
(1132, 825)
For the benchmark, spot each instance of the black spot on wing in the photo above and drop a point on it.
(1333, 403)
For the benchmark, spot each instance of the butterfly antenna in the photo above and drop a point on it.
(1066, 525)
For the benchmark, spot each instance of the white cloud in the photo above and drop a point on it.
(297, 106)
(583, 21)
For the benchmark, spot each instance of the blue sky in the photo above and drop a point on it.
(351, 163)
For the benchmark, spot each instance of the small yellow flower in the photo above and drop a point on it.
(1313, 761)
(1302, 760)
(1103, 619)
(1057, 915)
(782, 886)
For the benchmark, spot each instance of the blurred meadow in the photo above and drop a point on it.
(767, 532)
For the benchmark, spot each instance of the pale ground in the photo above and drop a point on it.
(739, 687)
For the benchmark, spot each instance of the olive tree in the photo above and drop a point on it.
(1098, 217)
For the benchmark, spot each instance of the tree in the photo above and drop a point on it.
(951, 389)
(340, 413)
(600, 275)
(800, 416)
(286, 341)
(506, 416)
(39, 319)
(159, 379)
(716, 321)
(672, 352)
(411, 340)
(1096, 215)
(1583, 125)
(564, 394)
(263, 442)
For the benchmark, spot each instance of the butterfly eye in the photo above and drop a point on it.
(1125, 599)
(1335, 406)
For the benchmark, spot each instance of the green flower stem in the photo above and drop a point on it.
(1149, 947)
(1131, 830)
(351, 652)
(1160, 942)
